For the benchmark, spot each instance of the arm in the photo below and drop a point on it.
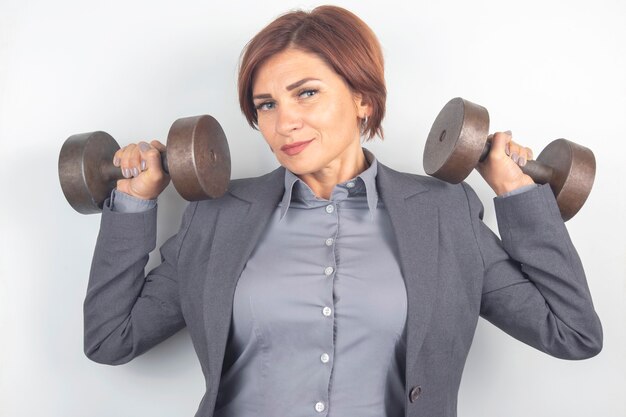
(126, 312)
(534, 285)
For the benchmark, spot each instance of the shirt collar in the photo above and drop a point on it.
(364, 183)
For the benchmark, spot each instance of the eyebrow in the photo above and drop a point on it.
(289, 88)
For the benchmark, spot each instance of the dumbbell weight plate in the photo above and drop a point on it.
(198, 158)
(456, 140)
(82, 173)
(574, 168)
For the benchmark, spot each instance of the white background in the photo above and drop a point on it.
(545, 69)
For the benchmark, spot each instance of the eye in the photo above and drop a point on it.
(266, 105)
(307, 93)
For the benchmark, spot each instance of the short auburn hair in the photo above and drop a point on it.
(338, 37)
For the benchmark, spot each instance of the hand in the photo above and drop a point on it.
(142, 170)
(501, 168)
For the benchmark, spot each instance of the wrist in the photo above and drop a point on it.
(125, 203)
(127, 188)
(508, 187)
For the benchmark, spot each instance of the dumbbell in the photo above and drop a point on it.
(458, 141)
(197, 159)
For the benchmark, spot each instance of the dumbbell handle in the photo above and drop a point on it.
(113, 173)
(540, 173)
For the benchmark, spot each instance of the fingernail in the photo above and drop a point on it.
(135, 172)
(507, 149)
(529, 153)
(143, 165)
(508, 132)
(522, 161)
(116, 161)
(515, 157)
(143, 146)
(125, 172)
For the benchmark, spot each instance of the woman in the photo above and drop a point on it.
(333, 285)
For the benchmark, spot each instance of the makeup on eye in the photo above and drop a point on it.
(302, 93)
(264, 105)
(307, 92)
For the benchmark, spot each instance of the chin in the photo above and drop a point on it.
(298, 168)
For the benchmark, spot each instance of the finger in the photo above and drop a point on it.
(529, 153)
(515, 152)
(520, 154)
(499, 144)
(151, 157)
(126, 160)
(117, 158)
(135, 161)
(130, 161)
(158, 145)
(143, 148)
(507, 149)
(526, 154)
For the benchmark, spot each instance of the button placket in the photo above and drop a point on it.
(330, 271)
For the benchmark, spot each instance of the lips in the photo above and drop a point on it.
(295, 148)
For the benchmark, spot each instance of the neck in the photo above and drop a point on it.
(340, 170)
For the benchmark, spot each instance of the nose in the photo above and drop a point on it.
(288, 120)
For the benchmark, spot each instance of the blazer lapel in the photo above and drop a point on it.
(416, 225)
(241, 220)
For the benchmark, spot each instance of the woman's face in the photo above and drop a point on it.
(306, 112)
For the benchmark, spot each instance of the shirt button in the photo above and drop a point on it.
(350, 184)
(327, 311)
(319, 407)
(330, 208)
(325, 358)
(328, 271)
(329, 241)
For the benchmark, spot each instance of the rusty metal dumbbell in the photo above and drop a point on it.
(458, 141)
(197, 158)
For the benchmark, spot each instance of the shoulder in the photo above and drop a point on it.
(249, 189)
(457, 205)
(202, 215)
(244, 186)
(412, 184)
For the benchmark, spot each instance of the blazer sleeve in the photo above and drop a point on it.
(534, 285)
(125, 311)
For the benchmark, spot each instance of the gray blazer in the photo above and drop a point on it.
(531, 284)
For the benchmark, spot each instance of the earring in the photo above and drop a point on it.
(364, 121)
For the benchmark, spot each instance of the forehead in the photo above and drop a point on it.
(290, 66)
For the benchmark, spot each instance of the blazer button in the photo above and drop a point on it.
(415, 393)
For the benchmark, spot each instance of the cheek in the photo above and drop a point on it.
(346, 113)
(266, 131)
(337, 118)
(262, 123)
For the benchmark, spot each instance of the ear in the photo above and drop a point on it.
(362, 105)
